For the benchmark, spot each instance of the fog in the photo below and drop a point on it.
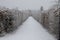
(27, 4)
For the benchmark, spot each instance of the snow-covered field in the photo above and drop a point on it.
(30, 30)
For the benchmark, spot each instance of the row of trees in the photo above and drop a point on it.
(11, 19)
(50, 19)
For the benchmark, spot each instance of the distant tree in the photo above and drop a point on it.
(41, 9)
(59, 1)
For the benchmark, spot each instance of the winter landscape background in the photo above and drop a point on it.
(29, 19)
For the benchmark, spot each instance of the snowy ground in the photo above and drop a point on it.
(30, 30)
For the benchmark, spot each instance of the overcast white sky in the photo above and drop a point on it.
(27, 4)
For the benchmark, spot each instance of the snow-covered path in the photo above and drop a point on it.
(30, 30)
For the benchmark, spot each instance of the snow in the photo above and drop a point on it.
(30, 30)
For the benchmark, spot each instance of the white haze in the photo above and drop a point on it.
(27, 4)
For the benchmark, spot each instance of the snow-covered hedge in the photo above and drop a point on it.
(50, 20)
(6, 22)
(10, 20)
